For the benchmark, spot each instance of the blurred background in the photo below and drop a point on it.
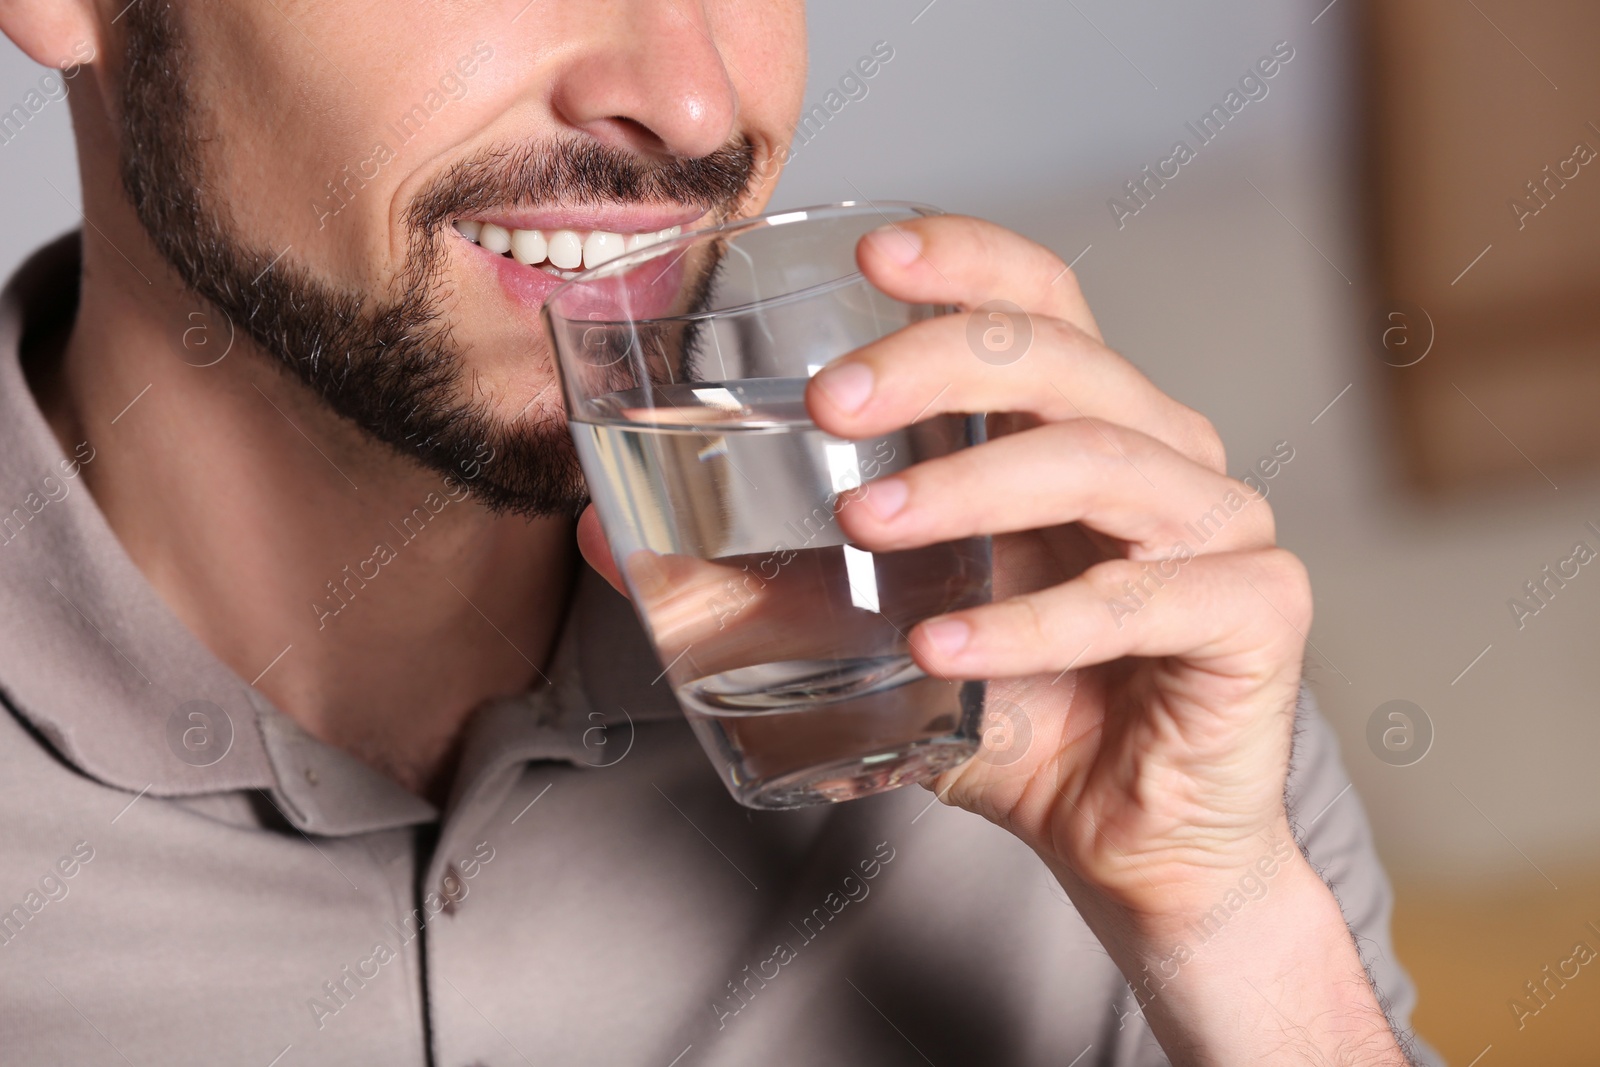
(1342, 266)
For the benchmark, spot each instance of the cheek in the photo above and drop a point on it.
(317, 141)
(769, 38)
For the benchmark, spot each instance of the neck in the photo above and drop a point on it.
(372, 601)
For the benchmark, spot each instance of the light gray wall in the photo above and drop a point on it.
(1239, 290)
(38, 172)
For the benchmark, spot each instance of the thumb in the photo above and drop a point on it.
(596, 552)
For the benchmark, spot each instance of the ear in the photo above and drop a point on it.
(55, 33)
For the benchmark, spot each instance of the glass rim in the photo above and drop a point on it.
(767, 220)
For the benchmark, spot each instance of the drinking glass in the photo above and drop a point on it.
(684, 366)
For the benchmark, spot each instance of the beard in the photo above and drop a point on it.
(386, 364)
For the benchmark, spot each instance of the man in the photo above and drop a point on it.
(323, 746)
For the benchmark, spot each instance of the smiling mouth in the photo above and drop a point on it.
(561, 253)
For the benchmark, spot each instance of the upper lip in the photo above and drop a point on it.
(619, 218)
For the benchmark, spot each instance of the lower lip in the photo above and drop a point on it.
(527, 286)
(649, 291)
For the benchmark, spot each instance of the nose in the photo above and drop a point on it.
(655, 82)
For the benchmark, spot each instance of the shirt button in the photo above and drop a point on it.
(452, 888)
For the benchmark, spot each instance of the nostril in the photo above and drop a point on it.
(619, 131)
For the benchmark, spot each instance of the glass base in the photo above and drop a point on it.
(859, 777)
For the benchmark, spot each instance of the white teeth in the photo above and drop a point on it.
(562, 252)
(601, 246)
(496, 239)
(529, 246)
(645, 240)
(566, 249)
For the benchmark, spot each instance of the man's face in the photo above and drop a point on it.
(318, 171)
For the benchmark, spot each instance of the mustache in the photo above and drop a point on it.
(580, 172)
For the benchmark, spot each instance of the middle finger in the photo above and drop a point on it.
(1115, 480)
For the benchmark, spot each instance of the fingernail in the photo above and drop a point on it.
(847, 385)
(885, 497)
(947, 636)
(899, 245)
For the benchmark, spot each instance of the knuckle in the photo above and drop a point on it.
(1085, 442)
(1058, 279)
(1108, 578)
(944, 499)
(1267, 520)
(1030, 615)
(1290, 583)
(1080, 351)
(1262, 524)
(1065, 334)
(999, 332)
(903, 360)
(1106, 444)
(1001, 253)
(976, 240)
(1206, 441)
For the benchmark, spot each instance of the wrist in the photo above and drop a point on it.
(1259, 975)
(1196, 906)
(1149, 899)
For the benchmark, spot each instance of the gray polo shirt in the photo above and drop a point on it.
(186, 877)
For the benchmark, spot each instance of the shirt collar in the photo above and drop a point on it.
(108, 676)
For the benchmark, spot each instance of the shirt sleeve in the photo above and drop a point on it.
(1331, 825)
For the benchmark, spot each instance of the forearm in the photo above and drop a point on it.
(1279, 980)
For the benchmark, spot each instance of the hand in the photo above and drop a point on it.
(1160, 718)
(1146, 634)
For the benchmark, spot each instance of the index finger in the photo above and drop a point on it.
(955, 259)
